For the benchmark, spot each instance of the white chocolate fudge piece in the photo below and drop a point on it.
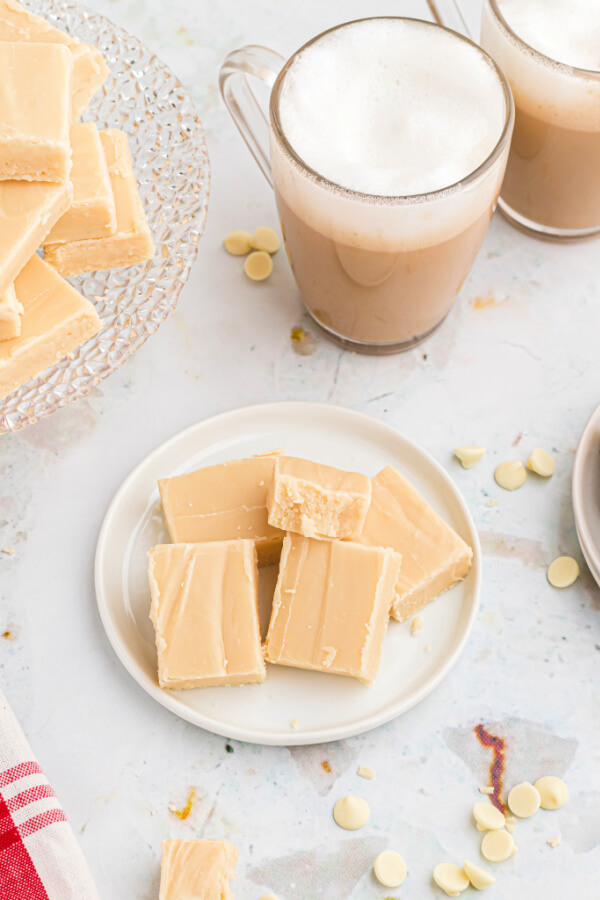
(331, 606)
(132, 242)
(434, 557)
(35, 111)
(221, 503)
(205, 614)
(92, 213)
(316, 500)
(197, 869)
(10, 315)
(56, 320)
(28, 210)
(89, 68)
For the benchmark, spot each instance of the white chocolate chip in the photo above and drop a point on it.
(258, 265)
(479, 878)
(10, 551)
(351, 813)
(554, 841)
(510, 824)
(524, 800)
(365, 772)
(390, 869)
(450, 878)
(563, 572)
(497, 846)
(468, 456)
(511, 475)
(416, 625)
(553, 792)
(485, 789)
(238, 243)
(541, 463)
(487, 817)
(264, 238)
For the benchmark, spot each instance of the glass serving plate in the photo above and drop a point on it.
(144, 98)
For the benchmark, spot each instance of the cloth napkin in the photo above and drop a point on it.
(39, 856)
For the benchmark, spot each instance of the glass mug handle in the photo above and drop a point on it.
(449, 13)
(241, 101)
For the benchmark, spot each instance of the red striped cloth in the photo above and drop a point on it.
(39, 856)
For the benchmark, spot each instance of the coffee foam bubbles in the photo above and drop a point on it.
(565, 30)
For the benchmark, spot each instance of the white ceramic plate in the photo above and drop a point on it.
(586, 493)
(327, 707)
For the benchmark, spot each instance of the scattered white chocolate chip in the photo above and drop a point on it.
(510, 475)
(497, 846)
(541, 463)
(468, 456)
(351, 812)
(485, 789)
(450, 878)
(492, 502)
(10, 551)
(294, 723)
(553, 792)
(510, 824)
(487, 817)
(563, 572)
(390, 869)
(264, 238)
(524, 800)
(365, 772)
(554, 841)
(258, 265)
(416, 625)
(238, 243)
(479, 878)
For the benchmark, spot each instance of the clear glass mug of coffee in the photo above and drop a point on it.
(386, 148)
(549, 50)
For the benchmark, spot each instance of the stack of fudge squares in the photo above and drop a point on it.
(64, 185)
(351, 552)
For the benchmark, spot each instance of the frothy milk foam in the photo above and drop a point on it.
(566, 30)
(392, 107)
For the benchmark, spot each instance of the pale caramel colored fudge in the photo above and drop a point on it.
(434, 557)
(224, 502)
(205, 614)
(56, 320)
(89, 68)
(10, 315)
(132, 242)
(35, 111)
(28, 210)
(331, 606)
(92, 213)
(197, 869)
(316, 500)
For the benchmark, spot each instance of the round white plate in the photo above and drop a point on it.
(586, 493)
(327, 707)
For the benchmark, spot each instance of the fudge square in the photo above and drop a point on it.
(35, 111)
(205, 614)
(223, 502)
(197, 869)
(316, 500)
(434, 557)
(331, 606)
(132, 242)
(10, 314)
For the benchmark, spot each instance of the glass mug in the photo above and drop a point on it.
(378, 274)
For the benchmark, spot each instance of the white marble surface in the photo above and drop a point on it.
(514, 367)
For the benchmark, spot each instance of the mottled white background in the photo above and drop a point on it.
(514, 367)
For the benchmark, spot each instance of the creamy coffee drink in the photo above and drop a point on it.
(389, 139)
(550, 52)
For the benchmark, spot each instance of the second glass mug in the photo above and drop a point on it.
(377, 274)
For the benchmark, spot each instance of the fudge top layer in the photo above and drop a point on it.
(198, 869)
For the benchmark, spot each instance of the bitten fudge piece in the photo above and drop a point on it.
(331, 606)
(92, 213)
(197, 870)
(28, 210)
(35, 111)
(223, 502)
(56, 320)
(10, 315)
(89, 68)
(316, 500)
(434, 557)
(205, 613)
(132, 241)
